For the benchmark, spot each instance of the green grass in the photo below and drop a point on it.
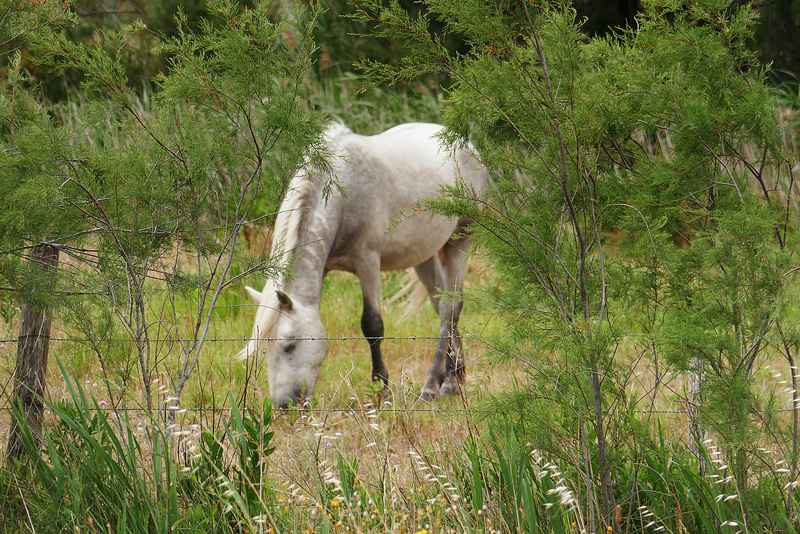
(311, 446)
(369, 110)
(354, 462)
(368, 470)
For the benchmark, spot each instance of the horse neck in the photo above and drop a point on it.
(308, 241)
(308, 269)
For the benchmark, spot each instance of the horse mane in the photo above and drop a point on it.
(285, 240)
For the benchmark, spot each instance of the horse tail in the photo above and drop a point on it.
(412, 294)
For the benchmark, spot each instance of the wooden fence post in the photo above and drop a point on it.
(30, 371)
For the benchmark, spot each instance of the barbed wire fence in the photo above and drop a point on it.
(429, 407)
(406, 408)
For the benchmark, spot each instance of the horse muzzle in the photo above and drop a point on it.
(295, 399)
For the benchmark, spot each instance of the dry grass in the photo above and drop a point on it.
(407, 451)
(344, 382)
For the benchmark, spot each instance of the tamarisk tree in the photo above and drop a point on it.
(21, 116)
(146, 199)
(621, 210)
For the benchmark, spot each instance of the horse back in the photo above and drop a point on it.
(383, 178)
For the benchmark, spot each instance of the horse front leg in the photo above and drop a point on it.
(372, 327)
(371, 320)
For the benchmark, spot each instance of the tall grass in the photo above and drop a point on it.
(356, 463)
(93, 470)
(98, 472)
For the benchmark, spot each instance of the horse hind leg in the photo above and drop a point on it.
(447, 371)
(456, 368)
(431, 274)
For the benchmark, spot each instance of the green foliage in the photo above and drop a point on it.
(532, 498)
(238, 480)
(22, 18)
(143, 194)
(670, 489)
(348, 474)
(89, 470)
(652, 135)
(665, 489)
(95, 471)
(633, 200)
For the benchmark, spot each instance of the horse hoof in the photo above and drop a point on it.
(384, 394)
(448, 391)
(451, 386)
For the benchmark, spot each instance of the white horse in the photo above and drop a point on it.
(370, 223)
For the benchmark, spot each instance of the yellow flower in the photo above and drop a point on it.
(423, 531)
(334, 504)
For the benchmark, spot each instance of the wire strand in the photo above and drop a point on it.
(268, 339)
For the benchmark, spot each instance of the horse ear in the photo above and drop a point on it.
(284, 300)
(254, 293)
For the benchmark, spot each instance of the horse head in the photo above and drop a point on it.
(295, 357)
